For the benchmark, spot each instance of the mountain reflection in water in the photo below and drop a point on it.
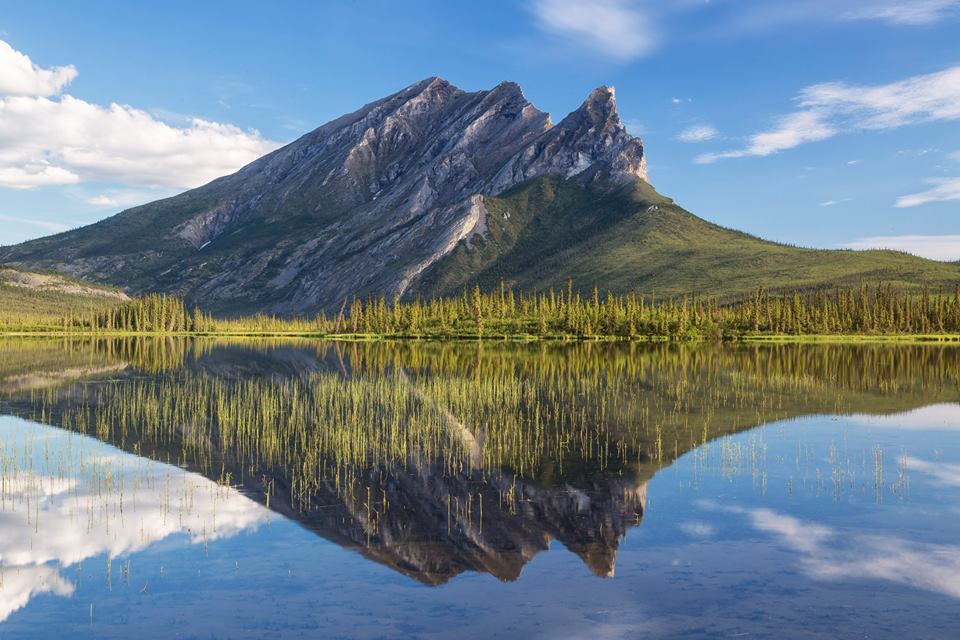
(432, 459)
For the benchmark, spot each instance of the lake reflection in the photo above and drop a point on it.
(774, 483)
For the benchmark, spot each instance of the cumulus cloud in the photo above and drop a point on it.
(698, 133)
(833, 108)
(618, 29)
(944, 247)
(941, 190)
(19, 76)
(52, 139)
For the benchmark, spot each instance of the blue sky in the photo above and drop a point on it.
(819, 123)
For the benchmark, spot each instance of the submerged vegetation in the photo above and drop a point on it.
(878, 310)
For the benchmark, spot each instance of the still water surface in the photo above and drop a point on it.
(204, 489)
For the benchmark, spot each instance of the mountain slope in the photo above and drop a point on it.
(430, 189)
(630, 238)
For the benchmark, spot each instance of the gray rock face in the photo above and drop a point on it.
(362, 205)
(591, 138)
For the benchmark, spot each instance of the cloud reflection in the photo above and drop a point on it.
(73, 498)
(826, 553)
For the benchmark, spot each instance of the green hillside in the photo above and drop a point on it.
(544, 232)
(29, 298)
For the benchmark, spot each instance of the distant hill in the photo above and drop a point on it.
(431, 189)
(29, 297)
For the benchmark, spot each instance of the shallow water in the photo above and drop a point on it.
(296, 489)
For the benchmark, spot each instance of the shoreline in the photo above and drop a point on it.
(372, 337)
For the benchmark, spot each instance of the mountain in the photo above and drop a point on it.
(431, 189)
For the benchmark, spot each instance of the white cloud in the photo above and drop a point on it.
(33, 173)
(19, 76)
(924, 98)
(619, 29)
(946, 247)
(698, 133)
(836, 107)
(64, 140)
(954, 156)
(791, 131)
(943, 190)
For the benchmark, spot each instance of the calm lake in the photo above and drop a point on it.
(227, 489)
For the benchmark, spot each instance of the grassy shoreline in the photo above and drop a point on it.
(489, 337)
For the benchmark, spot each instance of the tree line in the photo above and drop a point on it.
(878, 309)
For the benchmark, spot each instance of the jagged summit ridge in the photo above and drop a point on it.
(590, 140)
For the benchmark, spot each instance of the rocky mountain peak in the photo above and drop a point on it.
(379, 196)
(600, 107)
(591, 141)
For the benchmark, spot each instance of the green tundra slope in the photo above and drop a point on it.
(544, 232)
(29, 298)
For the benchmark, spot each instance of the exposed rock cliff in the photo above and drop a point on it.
(362, 205)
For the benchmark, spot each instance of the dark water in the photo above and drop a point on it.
(296, 489)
